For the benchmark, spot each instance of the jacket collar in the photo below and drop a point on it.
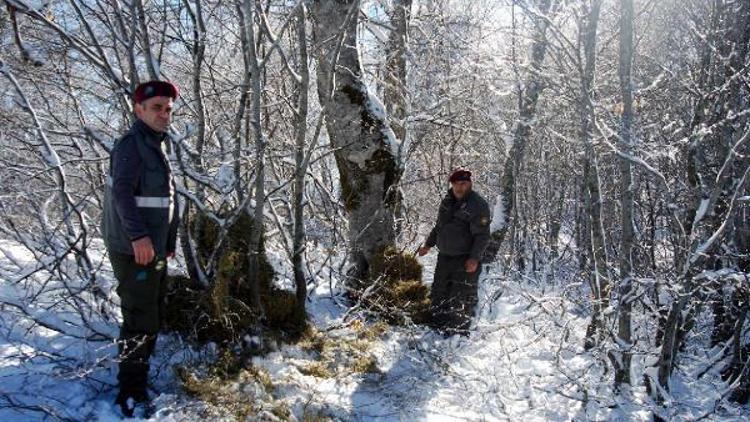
(148, 133)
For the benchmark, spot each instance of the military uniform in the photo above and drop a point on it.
(462, 232)
(139, 201)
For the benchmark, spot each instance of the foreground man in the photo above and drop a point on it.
(140, 230)
(461, 234)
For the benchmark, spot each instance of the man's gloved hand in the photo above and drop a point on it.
(143, 250)
(423, 250)
(471, 265)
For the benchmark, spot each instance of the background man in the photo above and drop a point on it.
(140, 231)
(461, 234)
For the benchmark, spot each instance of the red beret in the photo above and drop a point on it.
(152, 89)
(460, 175)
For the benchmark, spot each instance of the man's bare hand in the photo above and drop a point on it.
(471, 265)
(423, 250)
(143, 250)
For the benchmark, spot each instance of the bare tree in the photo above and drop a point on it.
(717, 171)
(527, 103)
(396, 93)
(621, 355)
(595, 245)
(301, 161)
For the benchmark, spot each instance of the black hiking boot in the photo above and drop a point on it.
(131, 400)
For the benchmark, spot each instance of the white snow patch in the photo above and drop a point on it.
(498, 215)
(224, 178)
(701, 210)
(523, 360)
(375, 106)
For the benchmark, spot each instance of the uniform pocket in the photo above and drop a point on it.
(464, 215)
(155, 179)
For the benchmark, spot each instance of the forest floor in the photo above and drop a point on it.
(523, 360)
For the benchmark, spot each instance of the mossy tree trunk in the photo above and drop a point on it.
(367, 151)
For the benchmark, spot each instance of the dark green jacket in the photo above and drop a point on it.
(463, 226)
(139, 197)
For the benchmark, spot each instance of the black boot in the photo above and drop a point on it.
(129, 399)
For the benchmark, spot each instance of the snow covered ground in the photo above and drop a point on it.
(523, 361)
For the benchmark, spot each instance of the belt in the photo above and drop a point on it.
(148, 201)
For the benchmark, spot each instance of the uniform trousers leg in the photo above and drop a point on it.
(467, 297)
(141, 291)
(454, 295)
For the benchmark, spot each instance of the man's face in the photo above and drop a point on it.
(461, 188)
(156, 112)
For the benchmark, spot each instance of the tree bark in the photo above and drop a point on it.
(367, 151)
(395, 68)
(621, 355)
(256, 235)
(298, 239)
(717, 171)
(195, 12)
(522, 132)
(596, 249)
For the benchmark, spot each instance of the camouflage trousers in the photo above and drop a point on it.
(454, 295)
(141, 289)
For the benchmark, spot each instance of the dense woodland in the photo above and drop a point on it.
(612, 138)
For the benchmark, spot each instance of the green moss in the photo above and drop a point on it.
(413, 297)
(237, 245)
(382, 161)
(227, 366)
(366, 364)
(225, 312)
(313, 340)
(372, 331)
(352, 186)
(393, 265)
(356, 95)
(353, 182)
(401, 293)
(342, 356)
(316, 369)
(315, 416)
(218, 387)
(282, 311)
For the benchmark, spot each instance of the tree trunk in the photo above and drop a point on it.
(298, 240)
(256, 235)
(395, 68)
(522, 132)
(718, 167)
(596, 247)
(367, 151)
(621, 355)
(395, 94)
(188, 231)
